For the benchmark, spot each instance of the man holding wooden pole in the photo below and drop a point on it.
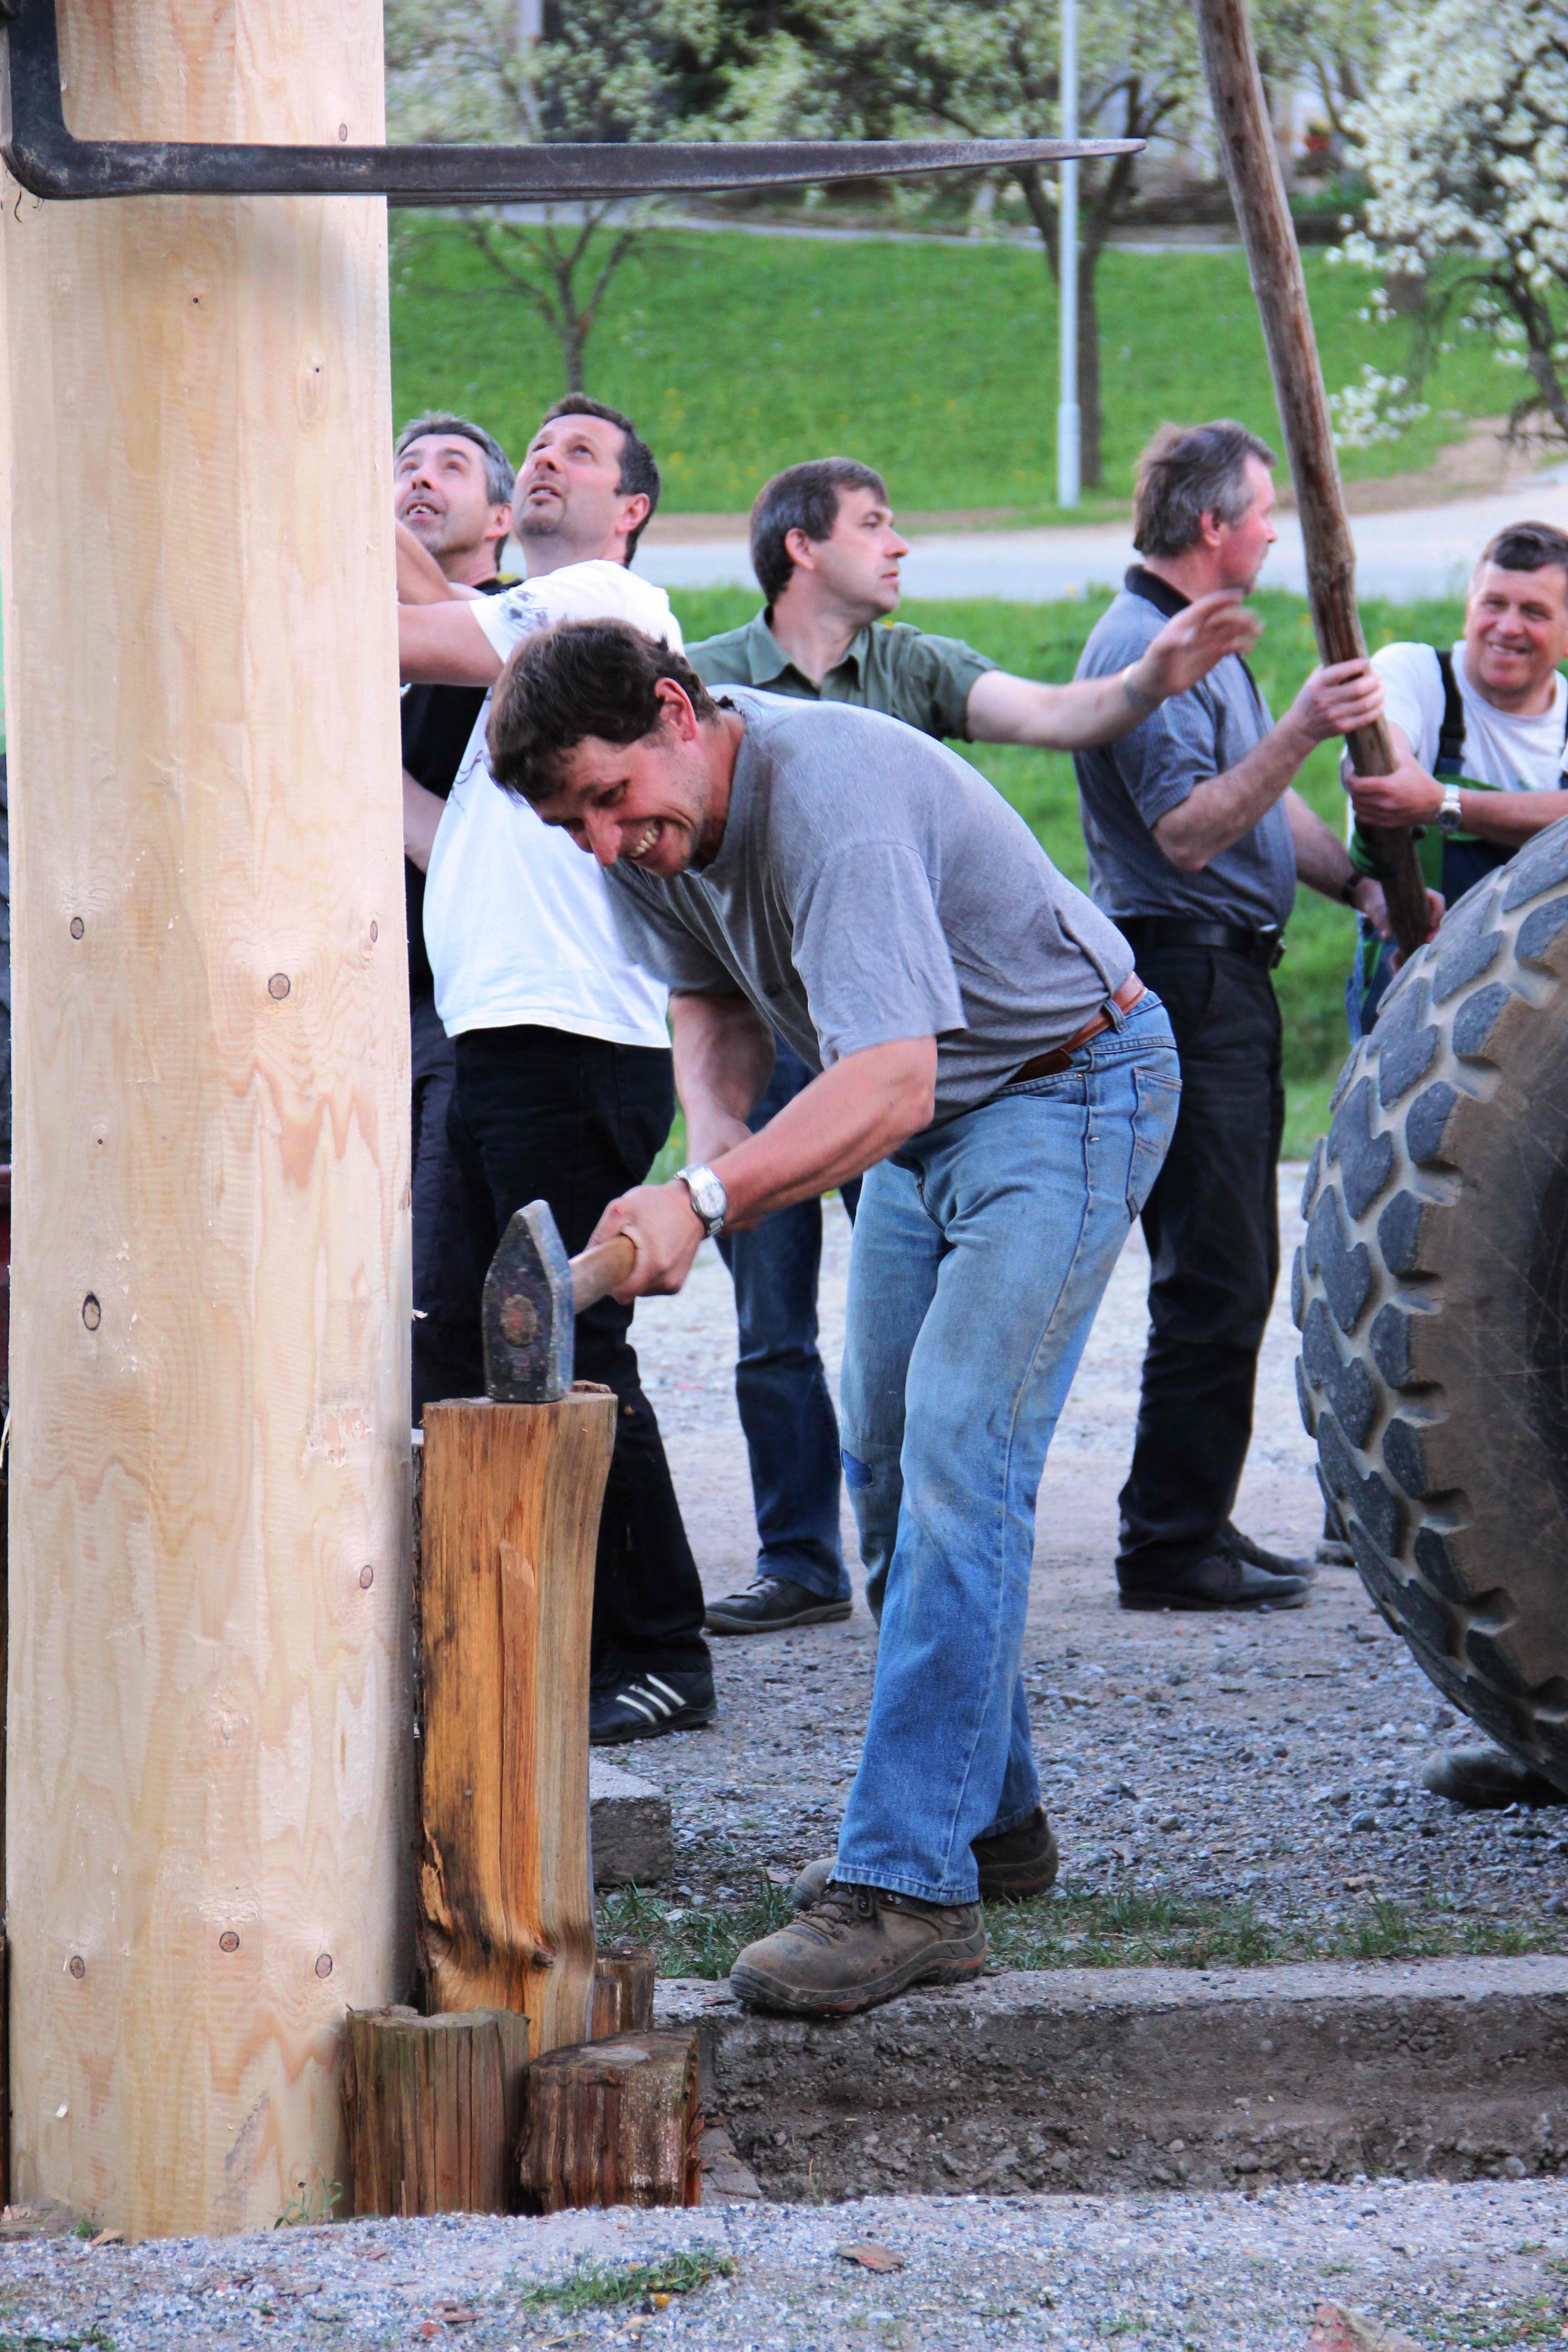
(984, 1050)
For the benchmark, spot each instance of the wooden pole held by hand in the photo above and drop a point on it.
(1258, 191)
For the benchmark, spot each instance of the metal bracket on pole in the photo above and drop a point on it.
(48, 160)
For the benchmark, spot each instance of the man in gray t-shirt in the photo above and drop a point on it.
(981, 1051)
(1197, 840)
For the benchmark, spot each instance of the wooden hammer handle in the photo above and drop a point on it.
(600, 1270)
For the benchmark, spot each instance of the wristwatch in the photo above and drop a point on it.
(708, 1198)
(1450, 815)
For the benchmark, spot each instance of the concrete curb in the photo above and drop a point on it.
(629, 1818)
(1141, 2079)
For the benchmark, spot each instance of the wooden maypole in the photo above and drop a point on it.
(208, 1811)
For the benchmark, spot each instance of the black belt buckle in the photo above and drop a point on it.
(1269, 950)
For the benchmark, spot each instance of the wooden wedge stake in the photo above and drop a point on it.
(614, 2122)
(1258, 191)
(623, 1991)
(434, 2107)
(511, 1498)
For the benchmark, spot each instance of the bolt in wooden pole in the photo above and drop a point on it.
(1258, 191)
(210, 1725)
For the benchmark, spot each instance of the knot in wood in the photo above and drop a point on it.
(91, 1312)
(78, 927)
(324, 1965)
(366, 1577)
(278, 986)
(228, 1941)
(77, 1965)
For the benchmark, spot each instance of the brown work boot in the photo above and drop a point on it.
(1020, 1863)
(859, 1944)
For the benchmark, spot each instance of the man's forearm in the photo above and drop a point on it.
(1322, 861)
(443, 645)
(420, 579)
(841, 1124)
(1223, 808)
(1510, 818)
(422, 813)
(723, 1060)
(1006, 710)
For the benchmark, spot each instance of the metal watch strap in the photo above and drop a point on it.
(709, 1197)
(1451, 813)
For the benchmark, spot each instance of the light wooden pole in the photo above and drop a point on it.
(208, 1853)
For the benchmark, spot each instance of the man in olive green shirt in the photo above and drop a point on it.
(826, 557)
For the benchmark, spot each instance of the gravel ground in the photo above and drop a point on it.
(1265, 1768)
(1436, 2264)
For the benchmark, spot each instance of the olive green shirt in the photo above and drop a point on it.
(921, 679)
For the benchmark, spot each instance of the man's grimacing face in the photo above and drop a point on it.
(648, 802)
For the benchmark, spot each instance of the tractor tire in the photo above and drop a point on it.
(1431, 1294)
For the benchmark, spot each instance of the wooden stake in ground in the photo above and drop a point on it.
(511, 1497)
(623, 1991)
(433, 2107)
(210, 1756)
(1258, 191)
(615, 2123)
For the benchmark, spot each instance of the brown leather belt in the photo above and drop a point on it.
(1047, 1065)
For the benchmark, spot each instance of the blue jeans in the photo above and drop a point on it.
(781, 1389)
(981, 1255)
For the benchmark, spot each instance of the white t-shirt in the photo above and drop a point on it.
(1513, 754)
(517, 922)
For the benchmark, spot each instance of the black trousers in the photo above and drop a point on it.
(538, 1114)
(1212, 1225)
(445, 1329)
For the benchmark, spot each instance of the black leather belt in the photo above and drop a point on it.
(1263, 947)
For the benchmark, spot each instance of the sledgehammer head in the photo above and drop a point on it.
(529, 1313)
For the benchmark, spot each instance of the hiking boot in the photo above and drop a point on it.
(1224, 1581)
(859, 1944)
(1485, 1779)
(1022, 1862)
(646, 1706)
(770, 1604)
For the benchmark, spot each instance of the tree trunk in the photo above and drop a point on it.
(433, 2107)
(209, 1744)
(511, 1496)
(1088, 413)
(615, 2123)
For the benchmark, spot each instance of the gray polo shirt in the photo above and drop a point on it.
(871, 886)
(1126, 787)
(922, 679)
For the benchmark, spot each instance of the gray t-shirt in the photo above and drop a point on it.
(1126, 787)
(871, 886)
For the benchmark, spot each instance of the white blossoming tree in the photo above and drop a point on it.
(1465, 141)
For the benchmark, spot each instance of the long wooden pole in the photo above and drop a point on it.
(210, 1741)
(1258, 191)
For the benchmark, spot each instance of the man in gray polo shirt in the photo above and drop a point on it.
(826, 556)
(1196, 842)
(979, 1046)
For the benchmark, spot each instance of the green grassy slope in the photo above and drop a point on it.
(937, 363)
(1044, 641)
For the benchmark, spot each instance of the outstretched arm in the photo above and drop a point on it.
(1003, 709)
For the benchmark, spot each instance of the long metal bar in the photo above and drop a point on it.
(48, 160)
(1067, 272)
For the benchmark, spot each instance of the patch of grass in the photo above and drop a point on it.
(738, 354)
(98, 2338)
(604, 2286)
(314, 2204)
(1073, 1928)
(1497, 2326)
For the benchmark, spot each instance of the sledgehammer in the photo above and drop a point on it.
(533, 1294)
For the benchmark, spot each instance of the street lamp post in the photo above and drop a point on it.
(1067, 273)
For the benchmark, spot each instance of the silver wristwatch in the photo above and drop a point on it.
(1450, 815)
(708, 1198)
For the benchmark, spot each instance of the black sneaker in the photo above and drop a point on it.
(772, 1603)
(646, 1706)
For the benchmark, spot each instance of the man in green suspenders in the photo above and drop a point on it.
(1482, 736)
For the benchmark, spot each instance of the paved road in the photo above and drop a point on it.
(1421, 552)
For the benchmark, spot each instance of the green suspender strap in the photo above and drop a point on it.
(1449, 764)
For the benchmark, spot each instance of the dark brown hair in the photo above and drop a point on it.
(580, 679)
(1528, 547)
(638, 469)
(802, 498)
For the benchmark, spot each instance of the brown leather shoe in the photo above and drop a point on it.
(859, 1944)
(1022, 1862)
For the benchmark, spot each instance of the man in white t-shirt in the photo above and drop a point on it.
(564, 1089)
(1479, 732)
